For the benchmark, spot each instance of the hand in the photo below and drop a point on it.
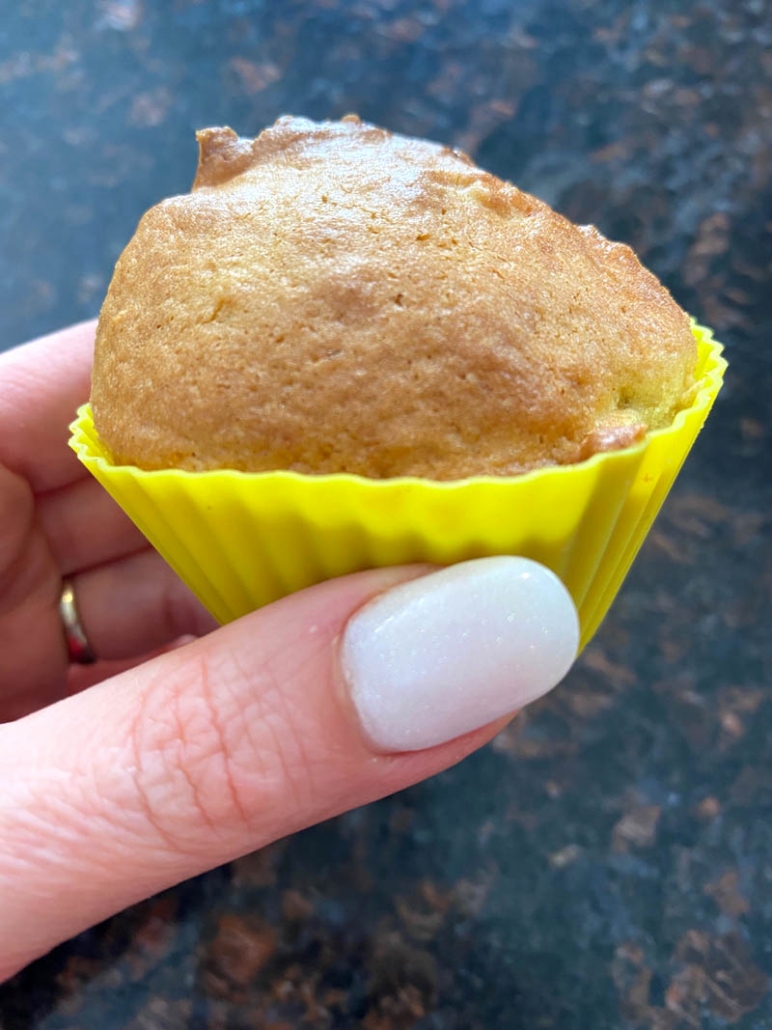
(319, 703)
(55, 521)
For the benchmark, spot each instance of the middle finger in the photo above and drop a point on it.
(85, 527)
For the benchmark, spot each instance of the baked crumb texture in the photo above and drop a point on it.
(335, 298)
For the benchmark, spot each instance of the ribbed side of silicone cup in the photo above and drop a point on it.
(241, 540)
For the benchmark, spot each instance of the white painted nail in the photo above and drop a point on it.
(442, 655)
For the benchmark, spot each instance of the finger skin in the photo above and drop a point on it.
(33, 656)
(56, 521)
(135, 605)
(85, 527)
(202, 755)
(41, 386)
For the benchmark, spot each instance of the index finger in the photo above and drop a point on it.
(42, 383)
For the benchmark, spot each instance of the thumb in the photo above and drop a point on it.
(324, 701)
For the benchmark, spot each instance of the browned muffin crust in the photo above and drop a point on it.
(335, 298)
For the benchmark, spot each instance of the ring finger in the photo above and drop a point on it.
(135, 605)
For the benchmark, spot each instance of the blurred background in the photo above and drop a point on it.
(607, 861)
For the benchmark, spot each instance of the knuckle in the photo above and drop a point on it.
(181, 759)
(216, 753)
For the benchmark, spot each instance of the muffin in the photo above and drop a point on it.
(348, 349)
(336, 298)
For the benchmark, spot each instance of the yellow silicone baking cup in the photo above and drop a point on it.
(241, 540)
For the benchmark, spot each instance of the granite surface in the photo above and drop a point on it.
(607, 862)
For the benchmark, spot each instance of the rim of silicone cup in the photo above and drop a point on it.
(711, 366)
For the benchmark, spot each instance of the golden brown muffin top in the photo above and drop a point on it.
(335, 298)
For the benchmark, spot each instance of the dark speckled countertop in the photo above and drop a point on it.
(607, 862)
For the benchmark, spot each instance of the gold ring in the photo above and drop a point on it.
(78, 647)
